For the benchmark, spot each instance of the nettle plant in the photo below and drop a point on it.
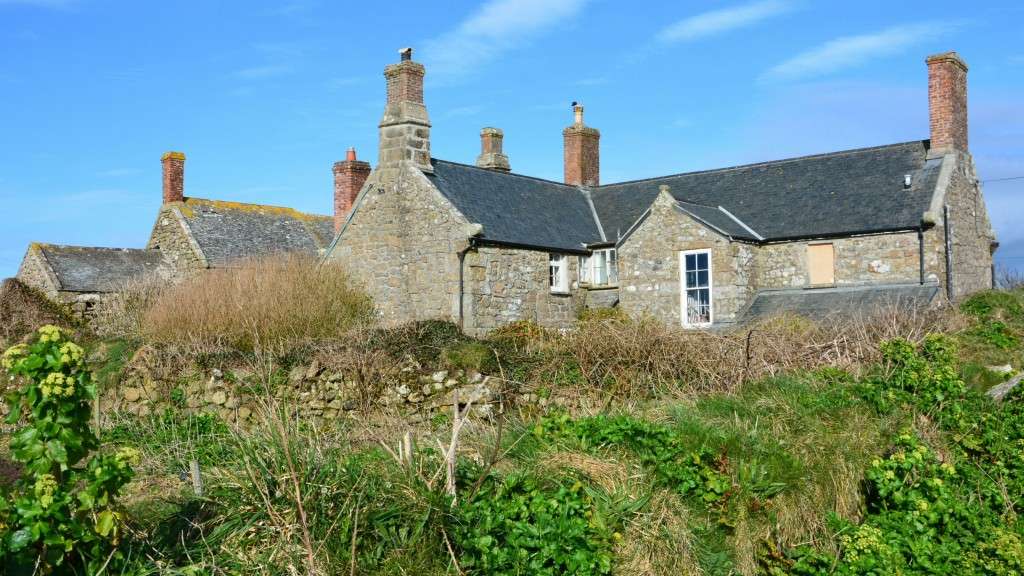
(60, 515)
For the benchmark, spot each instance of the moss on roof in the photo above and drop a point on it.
(283, 211)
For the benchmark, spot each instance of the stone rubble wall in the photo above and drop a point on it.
(859, 260)
(174, 243)
(401, 246)
(35, 273)
(649, 278)
(972, 231)
(319, 394)
(504, 285)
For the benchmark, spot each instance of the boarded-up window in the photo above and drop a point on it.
(821, 263)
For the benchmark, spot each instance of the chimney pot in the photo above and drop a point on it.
(947, 102)
(173, 176)
(406, 54)
(349, 177)
(491, 155)
(582, 151)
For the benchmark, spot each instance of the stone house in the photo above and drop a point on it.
(189, 235)
(837, 232)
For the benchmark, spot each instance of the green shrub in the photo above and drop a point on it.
(471, 355)
(61, 516)
(662, 450)
(522, 525)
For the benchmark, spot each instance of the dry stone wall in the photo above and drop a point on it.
(318, 394)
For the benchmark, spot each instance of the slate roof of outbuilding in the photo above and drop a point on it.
(824, 303)
(227, 232)
(90, 269)
(841, 193)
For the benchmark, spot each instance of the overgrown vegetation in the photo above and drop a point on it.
(61, 515)
(781, 448)
(286, 301)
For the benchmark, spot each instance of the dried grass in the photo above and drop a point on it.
(645, 357)
(658, 541)
(284, 300)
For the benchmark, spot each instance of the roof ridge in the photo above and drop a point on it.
(517, 174)
(234, 203)
(45, 245)
(769, 162)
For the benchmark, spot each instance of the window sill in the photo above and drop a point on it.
(819, 286)
(599, 286)
(560, 293)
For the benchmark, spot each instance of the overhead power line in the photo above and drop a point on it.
(1003, 179)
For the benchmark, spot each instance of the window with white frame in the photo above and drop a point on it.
(695, 268)
(558, 273)
(600, 268)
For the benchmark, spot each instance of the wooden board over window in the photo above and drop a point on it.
(821, 264)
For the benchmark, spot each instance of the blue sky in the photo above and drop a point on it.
(264, 96)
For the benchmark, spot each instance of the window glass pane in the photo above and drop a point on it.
(613, 267)
(691, 279)
(702, 260)
(585, 269)
(702, 278)
(600, 268)
(691, 261)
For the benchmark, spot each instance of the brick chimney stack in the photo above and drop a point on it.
(174, 176)
(405, 128)
(582, 151)
(349, 177)
(947, 102)
(491, 156)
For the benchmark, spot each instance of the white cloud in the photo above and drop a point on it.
(496, 27)
(851, 51)
(719, 21)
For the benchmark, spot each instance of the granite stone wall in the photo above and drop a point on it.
(859, 260)
(402, 245)
(649, 275)
(506, 285)
(173, 240)
(36, 273)
(971, 231)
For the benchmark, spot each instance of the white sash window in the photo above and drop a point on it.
(695, 269)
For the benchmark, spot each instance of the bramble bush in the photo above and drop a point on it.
(60, 515)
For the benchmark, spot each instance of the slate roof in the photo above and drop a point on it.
(88, 269)
(824, 303)
(515, 209)
(231, 231)
(850, 192)
(855, 191)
